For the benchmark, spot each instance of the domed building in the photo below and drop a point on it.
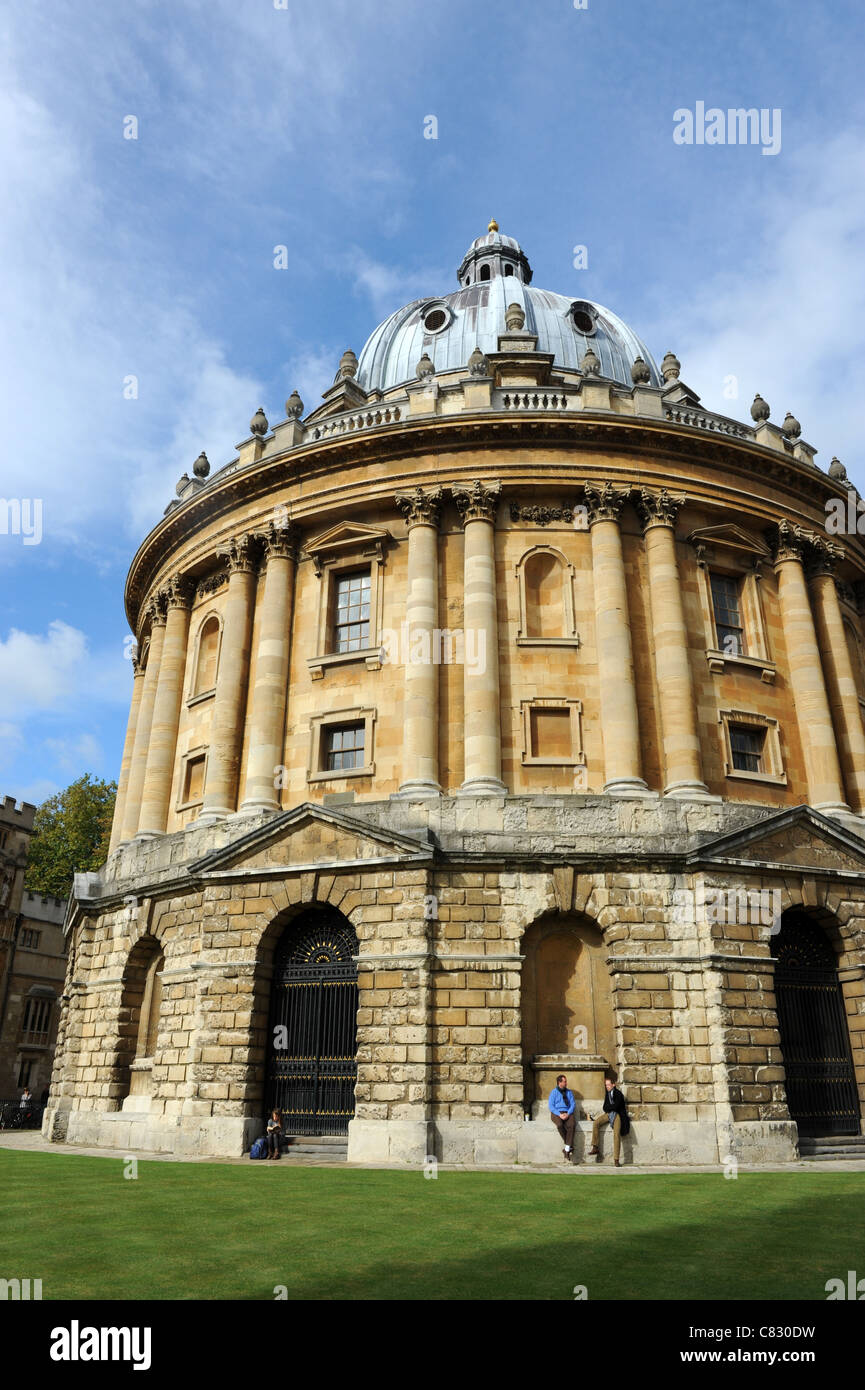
(500, 717)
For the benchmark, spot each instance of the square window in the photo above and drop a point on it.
(551, 734)
(344, 747)
(193, 782)
(747, 748)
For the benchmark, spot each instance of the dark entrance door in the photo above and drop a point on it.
(311, 1068)
(821, 1086)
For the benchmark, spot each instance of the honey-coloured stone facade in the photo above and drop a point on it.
(555, 748)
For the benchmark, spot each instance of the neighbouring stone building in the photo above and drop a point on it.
(32, 961)
(502, 716)
(29, 1014)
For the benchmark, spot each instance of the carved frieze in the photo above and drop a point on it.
(541, 514)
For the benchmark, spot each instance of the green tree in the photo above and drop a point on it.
(71, 834)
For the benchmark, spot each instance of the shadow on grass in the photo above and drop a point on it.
(202, 1231)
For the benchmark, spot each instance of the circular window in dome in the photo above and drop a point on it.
(435, 319)
(584, 317)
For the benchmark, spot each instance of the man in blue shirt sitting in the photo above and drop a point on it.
(563, 1113)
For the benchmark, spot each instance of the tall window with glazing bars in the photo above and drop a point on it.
(351, 627)
(728, 616)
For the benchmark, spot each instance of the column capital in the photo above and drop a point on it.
(137, 668)
(605, 502)
(478, 502)
(154, 609)
(238, 554)
(823, 557)
(657, 508)
(420, 508)
(276, 540)
(790, 542)
(178, 592)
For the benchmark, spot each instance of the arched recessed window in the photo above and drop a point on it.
(208, 657)
(485, 273)
(141, 1003)
(150, 1009)
(546, 595)
(509, 270)
(568, 1023)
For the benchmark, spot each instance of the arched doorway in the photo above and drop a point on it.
(312, 1039)
(567, 1013)
(815, 1042)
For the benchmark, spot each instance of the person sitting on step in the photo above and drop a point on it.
(562, 1113)
(274, 1134)
(616, 1115)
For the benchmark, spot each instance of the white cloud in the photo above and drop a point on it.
(388, 287)
(38, 791)
(311, 371)
(787, 319)
(76, 753)
(50, 671)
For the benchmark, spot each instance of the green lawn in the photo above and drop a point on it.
(195, 1230)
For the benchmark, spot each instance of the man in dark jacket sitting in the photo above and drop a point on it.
(614, 1114)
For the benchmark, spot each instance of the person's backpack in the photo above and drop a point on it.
(259, 1148)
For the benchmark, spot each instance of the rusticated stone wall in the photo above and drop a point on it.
(442, 930)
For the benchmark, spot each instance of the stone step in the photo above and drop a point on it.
(833, 1146)
(825, 1141)
(829, 1155)
(316, 1146)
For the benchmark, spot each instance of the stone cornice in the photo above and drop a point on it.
(659, 443)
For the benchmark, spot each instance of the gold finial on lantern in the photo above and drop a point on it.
(494, 226)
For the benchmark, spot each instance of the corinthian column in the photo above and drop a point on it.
(270, 692)
(155, 611)
(619, 721)
(825, 788)
(683, 774)
(128, 750)
(229, 701)
(166, 710)
(420, 708)
(481, 715)
(840, 680)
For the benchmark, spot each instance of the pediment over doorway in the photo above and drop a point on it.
(800, 837)
(311, 835)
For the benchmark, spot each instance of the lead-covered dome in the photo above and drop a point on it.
(494, 273)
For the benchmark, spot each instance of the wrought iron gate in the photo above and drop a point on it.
(821, 1084)
(312, 1071)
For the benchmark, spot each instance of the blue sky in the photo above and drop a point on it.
(303, 126)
